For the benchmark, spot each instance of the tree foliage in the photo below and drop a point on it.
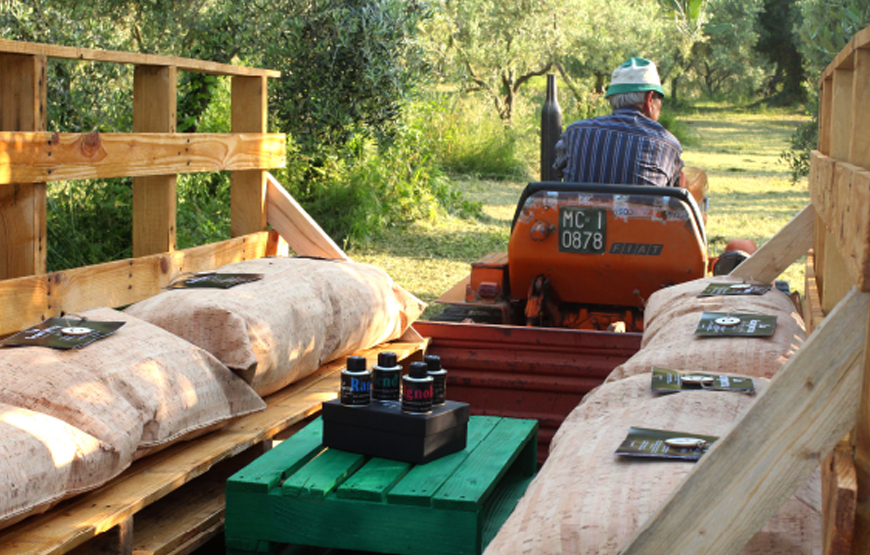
(348, 68)
(778, 44)
(495, 47)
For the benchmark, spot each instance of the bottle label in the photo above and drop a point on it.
(385, 385)
(417, 396)
(439, 389)
(356, 388)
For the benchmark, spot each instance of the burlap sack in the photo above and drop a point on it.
(586, 500)
(136, 390)
(302, 314)
(672, 315)
(44, 460)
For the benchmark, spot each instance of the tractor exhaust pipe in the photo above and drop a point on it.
(551, 130)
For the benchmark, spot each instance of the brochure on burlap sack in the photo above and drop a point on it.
(62, 333)
(662, 444)
(722, 324)
(213, 280)
(665, 380)
(728, 289)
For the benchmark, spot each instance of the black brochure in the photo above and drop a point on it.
(661, 444)
(62, 333)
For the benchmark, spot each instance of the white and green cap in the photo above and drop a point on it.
(637, 74)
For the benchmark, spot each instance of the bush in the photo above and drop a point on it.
(466, 138)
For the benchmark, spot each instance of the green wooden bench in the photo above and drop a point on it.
(302, 493)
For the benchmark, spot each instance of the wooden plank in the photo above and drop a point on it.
(813, 314)
(156, 476)
(423, 481)
(473, 482)
(837, 280)
(810, 404)
(839, 495)
(117, 541)
(373, 480)
(826, 90)
(119, 57)
(22, 206)
(43, 157)
(182, 523)
(323, 475)
(29, 300)
(267, 471)
(301, 232)
(776, 255)
(154, 111)
(861, 439)
(23, 94)
(249, 106)
(859, 153)
(841, 114)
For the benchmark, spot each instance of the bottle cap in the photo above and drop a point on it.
(419, 370)
(433, 362)
(387, 359)
(356, 364)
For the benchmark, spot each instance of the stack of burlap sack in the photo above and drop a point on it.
(184, 363)
(587, 500)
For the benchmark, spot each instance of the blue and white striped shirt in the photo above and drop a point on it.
(623, 148)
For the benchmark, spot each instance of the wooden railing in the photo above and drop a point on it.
(822, 394)
(175, 497)
(153, 154)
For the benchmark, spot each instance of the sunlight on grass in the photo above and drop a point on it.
(750, 197)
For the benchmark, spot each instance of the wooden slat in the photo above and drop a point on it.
(837, 279)
(421, 483)
(42, 157)
(839, 494)
(841, 192)
(859, 153)
(154, 111)
(473, 482)
(156, 476)
(23, 206)
(301, 232)
(841, 113)
(809, 405)
(825, 106)
(86, 54)
(249, 107)
(29, 300)
(777, 254)
(813, 314)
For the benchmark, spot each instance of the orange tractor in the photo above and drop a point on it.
(586, 256)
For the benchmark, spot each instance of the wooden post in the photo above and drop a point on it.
(859, 154)
(22, 205)
(825, 107)
(859, 151)
(248, 188)
(154, 197)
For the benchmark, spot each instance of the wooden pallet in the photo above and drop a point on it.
(173, 501)
(305, 494)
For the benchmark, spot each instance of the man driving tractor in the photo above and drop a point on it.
(629, 146)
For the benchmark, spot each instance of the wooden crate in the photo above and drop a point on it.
(302, 493)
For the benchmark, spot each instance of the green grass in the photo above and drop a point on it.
(750, 197)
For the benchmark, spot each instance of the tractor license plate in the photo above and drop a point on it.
(582, 230)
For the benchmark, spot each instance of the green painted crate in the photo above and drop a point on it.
(304, 494)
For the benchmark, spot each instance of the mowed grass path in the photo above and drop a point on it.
(750, 197)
